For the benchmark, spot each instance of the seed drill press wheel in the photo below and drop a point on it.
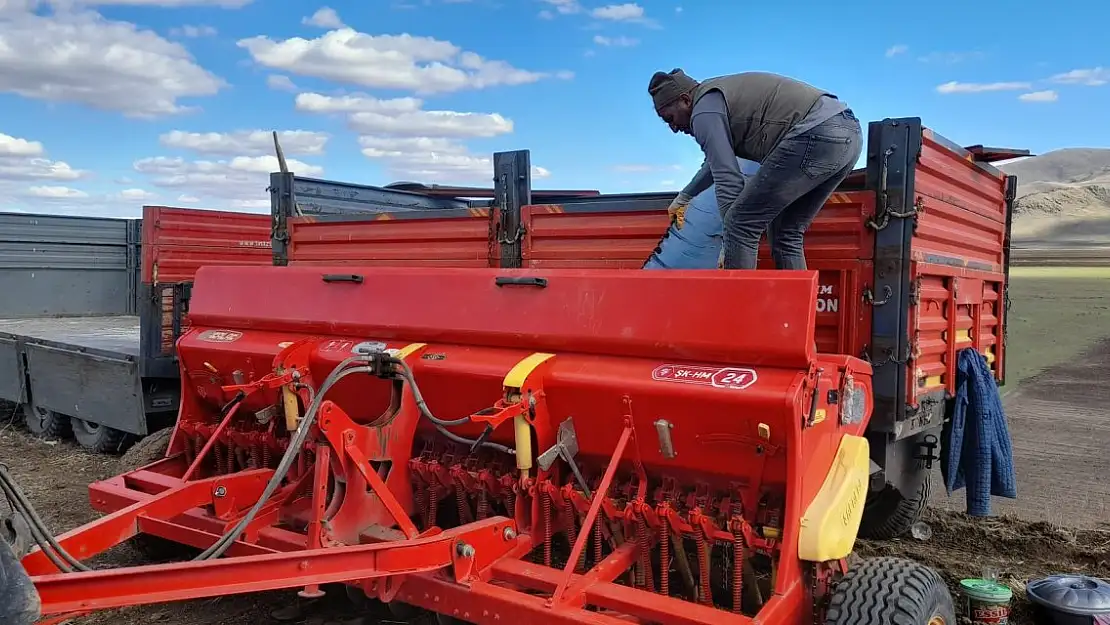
(889, 513)
(881, 591)
(150, 449)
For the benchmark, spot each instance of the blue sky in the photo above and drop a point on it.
(109, 104)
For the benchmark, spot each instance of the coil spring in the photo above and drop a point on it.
(705, 596)
(510, 504)
(572, 532)
(483, 504)
(221, 461)
(597, 540)
(433, 505)
(267, 456)
(462, 502)
(664, 555)
(739, 554)
(256, 456)
(647, 580)
(545, 502)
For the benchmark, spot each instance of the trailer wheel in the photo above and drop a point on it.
(45, 423)
(98, 438)
(152, 448)
(890, 590)
(889, 513)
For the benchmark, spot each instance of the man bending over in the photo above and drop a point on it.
(805, 139)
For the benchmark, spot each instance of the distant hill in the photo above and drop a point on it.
(1072, 182)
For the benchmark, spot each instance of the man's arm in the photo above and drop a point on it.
(700, 182)
(709, 124)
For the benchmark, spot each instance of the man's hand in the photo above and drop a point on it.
(677, 209)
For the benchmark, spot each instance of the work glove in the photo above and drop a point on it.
(677, 209)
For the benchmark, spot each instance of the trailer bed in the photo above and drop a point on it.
(117, 334)
(85, 367)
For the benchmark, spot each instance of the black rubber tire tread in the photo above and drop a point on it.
(889, 514)
(890, 591)
(150, 448)
(55, 427)
(105, 440)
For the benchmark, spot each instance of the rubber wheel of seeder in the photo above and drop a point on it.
(884, 591)
(889, 514)
(97, 438)
(45, 423)
(152, 448)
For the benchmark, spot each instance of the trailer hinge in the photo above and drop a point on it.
(869, 295)
(915, 291)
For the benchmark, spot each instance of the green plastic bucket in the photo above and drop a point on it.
(986, 602)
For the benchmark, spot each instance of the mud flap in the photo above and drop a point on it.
(19, 602)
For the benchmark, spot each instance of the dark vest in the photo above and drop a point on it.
(762, 107)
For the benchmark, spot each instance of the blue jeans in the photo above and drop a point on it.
(698, 244)
(791, 186)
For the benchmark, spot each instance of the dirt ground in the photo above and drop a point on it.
(1058, 408)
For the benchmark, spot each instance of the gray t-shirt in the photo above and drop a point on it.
(709, 125)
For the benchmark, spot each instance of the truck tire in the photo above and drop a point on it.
(882, 591)
(149, 449)
(98, 438)
(45, 423)
(889, 513)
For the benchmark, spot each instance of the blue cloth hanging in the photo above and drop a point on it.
(978, 453)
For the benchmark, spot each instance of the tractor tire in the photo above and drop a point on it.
(99, 439)
(46, 424)
(152, 448)
(889, 514)
(883, 591)
(148, 449)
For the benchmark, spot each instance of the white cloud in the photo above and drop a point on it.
(188, 199)
(428, 159)
(354, 103)
(14, 146)
(136, 195)
(895, 50)
(619, 12)
(324, 17)
(22, 159)
(85, 58)
(239, 182)
(56, 192)
(971, 87)
(279, 82)
(1039, 96)
(252, 142)
(432, 123)
(565, 7)
(617, 42)
(546, 15)
(194, 31)
(419, 64)
(1093, 77)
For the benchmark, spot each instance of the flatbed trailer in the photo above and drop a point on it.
(101, 353)
(86, 337)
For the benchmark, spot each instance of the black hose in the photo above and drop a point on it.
(42, 534)
(440, 424)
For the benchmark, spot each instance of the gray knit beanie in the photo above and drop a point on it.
(668, 87)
